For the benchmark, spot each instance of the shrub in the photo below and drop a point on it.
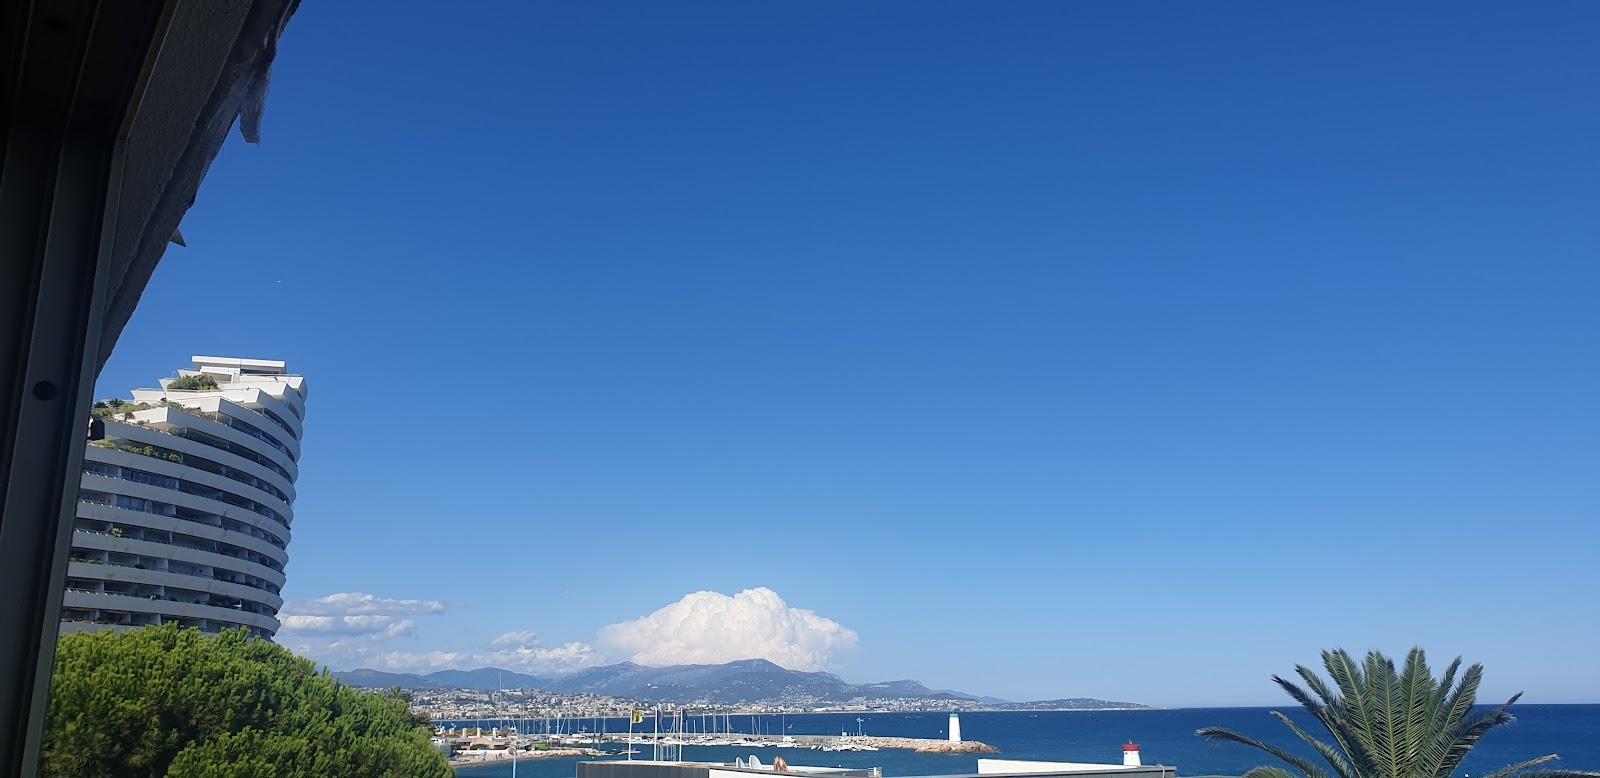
(165, 701)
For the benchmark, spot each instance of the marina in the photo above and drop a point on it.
(506, 739)
(1167, 738)
(476, 744)
(518, 739)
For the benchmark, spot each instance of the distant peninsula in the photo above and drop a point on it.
(1069, 703)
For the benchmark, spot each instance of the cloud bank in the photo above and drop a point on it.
(353, 614)
(710, 628)
(348, 629)
(358, 604)
(520, 651)
(353, 629)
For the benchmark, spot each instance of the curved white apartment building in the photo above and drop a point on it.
(184, 507)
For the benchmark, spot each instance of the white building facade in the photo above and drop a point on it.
(185, 505)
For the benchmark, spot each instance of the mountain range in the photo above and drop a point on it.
(743, 681)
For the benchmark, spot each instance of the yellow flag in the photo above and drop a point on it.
(638, 717)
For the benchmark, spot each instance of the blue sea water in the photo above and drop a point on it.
(1165, 736)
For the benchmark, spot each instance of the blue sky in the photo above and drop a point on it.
(1130, 350)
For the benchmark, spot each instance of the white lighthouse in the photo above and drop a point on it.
(955, 727)
(1130, 755)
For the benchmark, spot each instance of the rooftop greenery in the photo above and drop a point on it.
(194, 383)
(134, 448)
(117, 410)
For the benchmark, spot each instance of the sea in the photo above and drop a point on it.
(1165, 737)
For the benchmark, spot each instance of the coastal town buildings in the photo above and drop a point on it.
(185, 499)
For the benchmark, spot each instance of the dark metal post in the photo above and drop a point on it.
(71, 79)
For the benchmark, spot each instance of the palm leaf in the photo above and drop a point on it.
(1436, 705)
(1299, 695)
(1471, 731)
(1455, 706)
(1324, 713)
(1446, 681)
(1559, 774)
(1354, 704)
(1520, 766)
(1315, 683)
(1335, 721)
(1340, 765)
(1416, 682)
(1223, 735)
(1387, 722)
(1383, 686)
(1267, 772)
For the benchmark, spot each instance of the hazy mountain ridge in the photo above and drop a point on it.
(485, 678)
(743, 681)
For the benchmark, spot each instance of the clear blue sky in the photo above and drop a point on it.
(1131, 350)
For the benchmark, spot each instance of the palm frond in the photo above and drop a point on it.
(1446, 681)
(1300, 695)
(1224, 735)
(1328, 752)
(1520, 766)
(1416, 684)
(1470, 732)
(1334, 719)
(1387, 722)
(1436, 706)
(1462, 698)
(1383, 686)
(1453, 709)
(1315, 683)
(1267, 772)
(1559, 774)
(1356, 708)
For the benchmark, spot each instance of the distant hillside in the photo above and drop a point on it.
(734, 683)
(483, 679)
(744, 681)
(378, 679)
(487, 679)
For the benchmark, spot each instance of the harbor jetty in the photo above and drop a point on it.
(921, 745)
(501, 750)
(468, 747)
(842, 742)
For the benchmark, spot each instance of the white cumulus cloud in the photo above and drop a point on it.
(710, 628)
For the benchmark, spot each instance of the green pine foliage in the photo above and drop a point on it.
(1388, 724)
(165, 701)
